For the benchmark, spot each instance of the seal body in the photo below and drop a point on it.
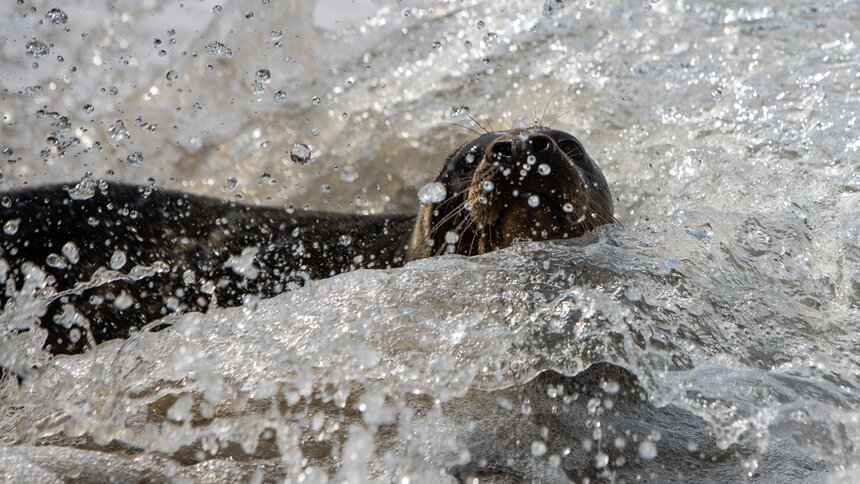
(126, 255)
(103, 262)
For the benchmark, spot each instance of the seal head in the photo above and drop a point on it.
(534, 183)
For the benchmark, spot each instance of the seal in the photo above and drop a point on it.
(101, 260)
(535, 184)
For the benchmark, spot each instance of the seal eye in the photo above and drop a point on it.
(573, 150)
(466, 165)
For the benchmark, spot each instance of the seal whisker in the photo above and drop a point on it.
(546, 108)
(471, 130)
(478, 123)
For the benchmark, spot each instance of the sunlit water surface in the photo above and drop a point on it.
(727, 130)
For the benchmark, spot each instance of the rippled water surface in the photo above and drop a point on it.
(713, 337)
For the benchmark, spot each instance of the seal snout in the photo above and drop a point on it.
(511, 150)
(530, 179)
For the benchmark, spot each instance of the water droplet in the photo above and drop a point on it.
(117, 260)
(470, 157)
(490, 38)
(716, 94)
(611, 387)
(57, 16)
(538, 448)
(11, 226)
(551, 8)
(531, 160)
(480, 24)
(172, 75)
(316, 101)
(647, 450)
(56, 260)
(451, 237)
(230, 184)
(70, 251)
(488, 186)
(135, 158)
(345, 240)
(280, 97)
(117, 130)
(84, 190)
(276, 34)
(543, 169)
(217, 48)
(460, 112)
(37, 49)
(217, 9)
(264, 75)
(601, 459)
(300, 153)
(433, 192)
(534, 201)
(348, 173)
(123, 301)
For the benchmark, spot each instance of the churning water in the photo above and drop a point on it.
(713, 337)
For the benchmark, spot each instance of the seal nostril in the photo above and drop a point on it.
(540, 143)
(502, 149)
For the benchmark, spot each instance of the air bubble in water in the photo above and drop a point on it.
(432, 193)
(534, 201)
(11, 226)
(300, 153)
(117, 260)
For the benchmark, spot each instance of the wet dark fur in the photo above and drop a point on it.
(183, 242)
